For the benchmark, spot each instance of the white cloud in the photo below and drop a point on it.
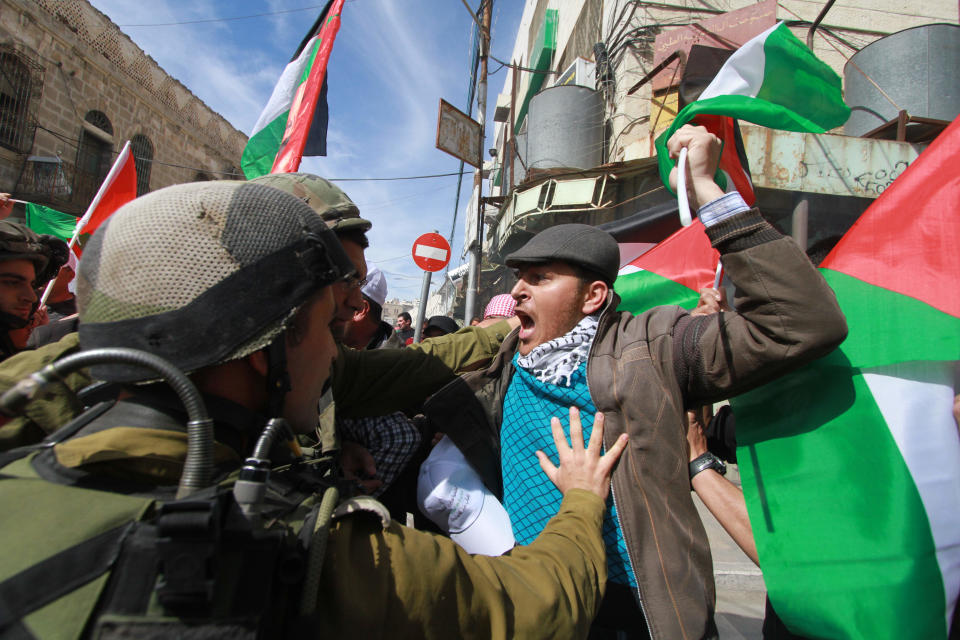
(391, 64)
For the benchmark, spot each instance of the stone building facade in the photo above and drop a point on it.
(74, 89)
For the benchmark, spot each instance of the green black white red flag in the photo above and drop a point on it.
(673, 272)
(294, 122)
(851, 465)
(773, 80)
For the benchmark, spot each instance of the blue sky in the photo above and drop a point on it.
(391, 63)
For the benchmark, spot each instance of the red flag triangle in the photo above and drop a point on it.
(118, 188)
(686, 257)
(908, 240)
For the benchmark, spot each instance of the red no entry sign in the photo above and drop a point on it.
(431, 252)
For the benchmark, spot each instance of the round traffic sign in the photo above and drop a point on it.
(431, 252)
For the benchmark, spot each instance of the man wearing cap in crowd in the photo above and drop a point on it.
(366, 329)
(573, 349)
(439, 326)
(500, 306)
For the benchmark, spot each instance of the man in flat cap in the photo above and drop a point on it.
(574, 349)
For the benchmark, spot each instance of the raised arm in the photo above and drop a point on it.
(785, 313)
(378, 382)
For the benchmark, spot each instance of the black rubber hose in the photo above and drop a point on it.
(277, 427)
(198, 467)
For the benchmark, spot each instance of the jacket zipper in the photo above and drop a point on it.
(643, 610)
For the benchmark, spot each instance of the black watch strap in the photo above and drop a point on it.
(707, 461)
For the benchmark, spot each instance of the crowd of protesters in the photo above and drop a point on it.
(482, 435)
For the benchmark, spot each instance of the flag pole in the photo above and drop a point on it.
(82, 222)
(717, 278)
(682, 202)
(46, 292)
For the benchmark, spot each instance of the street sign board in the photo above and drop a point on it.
(431, 252)
(458, 134)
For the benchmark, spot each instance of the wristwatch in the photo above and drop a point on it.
(707, 461)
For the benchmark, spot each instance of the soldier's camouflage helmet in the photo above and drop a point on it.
(202, 273)
(47, 253)
(329, 201)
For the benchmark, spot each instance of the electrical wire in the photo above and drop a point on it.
(63, 137)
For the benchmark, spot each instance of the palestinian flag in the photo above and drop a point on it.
(284, 133)
(117, 189)
(673, 272)
(49, 221)
(774, 81)
(851, 465)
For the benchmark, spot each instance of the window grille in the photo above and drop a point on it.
(143, 159)
(94, 157)
(20, 87)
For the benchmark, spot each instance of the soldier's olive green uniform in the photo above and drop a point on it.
(377, 581)
(49, 411)
(96, 543)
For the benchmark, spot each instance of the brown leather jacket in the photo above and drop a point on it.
(643, 371)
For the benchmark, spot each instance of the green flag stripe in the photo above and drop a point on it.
(817, 90)
(43, 219)
(261, 149)
(642, 290)
(314, 48)
(836, 497)
(879, 319)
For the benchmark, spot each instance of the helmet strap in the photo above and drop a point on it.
(278, 379)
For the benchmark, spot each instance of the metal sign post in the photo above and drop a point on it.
(431, 252)
(422, 310)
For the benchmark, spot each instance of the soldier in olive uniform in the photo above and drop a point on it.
(231, 283)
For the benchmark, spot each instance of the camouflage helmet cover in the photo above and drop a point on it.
(328, 200)
(47, 253)
(202, 273)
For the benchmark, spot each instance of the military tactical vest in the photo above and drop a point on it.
(85, 557)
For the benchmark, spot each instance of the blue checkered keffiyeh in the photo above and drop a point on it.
(528, 496)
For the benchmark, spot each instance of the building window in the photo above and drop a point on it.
(143, 159)
(15, 91)
(94, 155)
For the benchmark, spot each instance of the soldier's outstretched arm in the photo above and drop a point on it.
(398, 582)
(381, 381)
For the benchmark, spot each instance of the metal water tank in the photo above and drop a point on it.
(565, 128)
(916, 67)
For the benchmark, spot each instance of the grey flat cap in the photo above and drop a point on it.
(579, 244)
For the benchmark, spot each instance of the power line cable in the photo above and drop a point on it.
(75, 142)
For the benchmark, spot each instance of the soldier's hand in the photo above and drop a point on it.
(582, 468)
(358, 465)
